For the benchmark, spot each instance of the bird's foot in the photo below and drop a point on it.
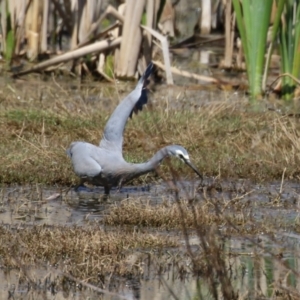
(104, 198)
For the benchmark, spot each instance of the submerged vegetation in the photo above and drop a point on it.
(83, 252)
(188, 239)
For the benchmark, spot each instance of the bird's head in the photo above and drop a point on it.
(182, 154)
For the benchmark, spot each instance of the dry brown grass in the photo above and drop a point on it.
(164, 216)
(82, 252)
(39, 121)
(235, 217)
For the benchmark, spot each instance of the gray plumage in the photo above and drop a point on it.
(104, 165)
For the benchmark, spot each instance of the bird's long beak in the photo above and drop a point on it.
(190, 164)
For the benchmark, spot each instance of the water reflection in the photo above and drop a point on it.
(62, 206)
(257, 266)
(51, 206)
(253, 272)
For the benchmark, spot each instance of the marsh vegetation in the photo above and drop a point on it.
(234, 235)
(137, 237)
(117, 39)
(226, 137)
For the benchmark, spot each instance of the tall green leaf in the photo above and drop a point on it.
(290, 46)
(10, 46)
(10, 37)
(253, 19)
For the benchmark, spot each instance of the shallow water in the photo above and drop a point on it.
(58, 206)
(64, 206)
(250, 276)
(34, 205)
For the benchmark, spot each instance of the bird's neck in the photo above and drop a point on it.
(156, 159)
(150, 165)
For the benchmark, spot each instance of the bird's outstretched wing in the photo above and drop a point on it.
(113, 132)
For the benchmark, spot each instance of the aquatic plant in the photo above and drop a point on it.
(8, 33)
(253, 18)
(289, 44)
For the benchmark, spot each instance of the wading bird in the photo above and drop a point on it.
(104, 165)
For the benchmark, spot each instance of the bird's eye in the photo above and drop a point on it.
(181, 156)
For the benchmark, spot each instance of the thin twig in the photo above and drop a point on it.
(282, 181)
(187, 74)
(283, 75)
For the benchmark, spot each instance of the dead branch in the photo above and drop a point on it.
(73, 54)
(188, 74)
(165, 49)
(283, 75)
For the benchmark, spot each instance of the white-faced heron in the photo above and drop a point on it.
(104, 165)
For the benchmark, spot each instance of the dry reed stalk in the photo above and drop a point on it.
(167, 19)
(187, 74)
(110, 10)
(97, 11)
(3, 26)
(44, 30)
(165, 48)
(205, 20)
(132, 37)
(100, 67)
(109, 31)
(73, 54)
(229, 35)
(33, 32)
(16, 20)
(20, 11)
(74, 10)
(151, 11)
(116, 33)
(84, 20)
(90, 20)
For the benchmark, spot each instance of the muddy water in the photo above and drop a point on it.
(22, 206)
(64, 206)
(51, 206)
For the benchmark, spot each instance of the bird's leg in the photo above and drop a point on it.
(120, 185)
(106, 190)
(106, 193)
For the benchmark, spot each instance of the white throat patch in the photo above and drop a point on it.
(178, 153)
